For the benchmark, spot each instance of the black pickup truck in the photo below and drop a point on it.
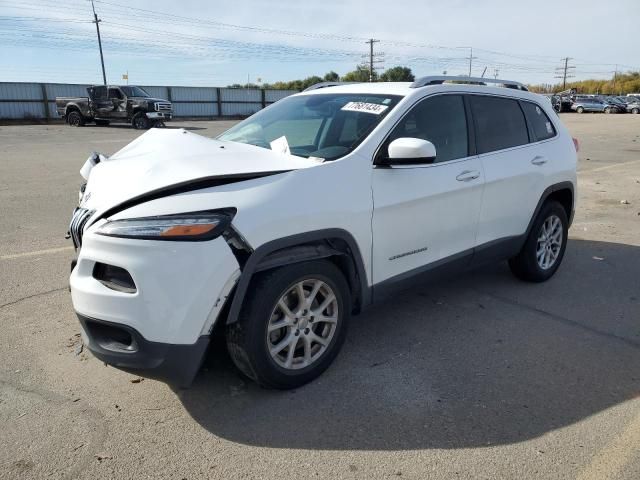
(115, 103)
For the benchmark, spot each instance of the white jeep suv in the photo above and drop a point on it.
(279, 230)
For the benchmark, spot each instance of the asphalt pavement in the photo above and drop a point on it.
(476, 376)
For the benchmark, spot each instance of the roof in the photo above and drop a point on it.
(405, 89)
(389, 88)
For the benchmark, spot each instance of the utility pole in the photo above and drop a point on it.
(615, 75)
(564, 72)
(495, 73)
(483, 72)
(470, 59)
(371, 42)
(97, 22)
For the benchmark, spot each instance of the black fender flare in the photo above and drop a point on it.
(543, 198)
(298, 248)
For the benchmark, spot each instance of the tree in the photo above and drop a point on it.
(622, 84)
(360, 74)
(397, 74)
(331, 76)
(307, 82)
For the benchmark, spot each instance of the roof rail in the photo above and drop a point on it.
(316, 86)
(440, 79)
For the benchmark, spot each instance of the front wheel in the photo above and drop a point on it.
(580, 110)
(635, 111)
(607, 110)
(140, 121)
(544, 248)
(293, 326)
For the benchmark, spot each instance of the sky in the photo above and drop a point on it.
(213, 43)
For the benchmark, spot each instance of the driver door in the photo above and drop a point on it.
(426, 215)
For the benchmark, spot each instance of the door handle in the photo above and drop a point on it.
(468, 175)
(539, 160)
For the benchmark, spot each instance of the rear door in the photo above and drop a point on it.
(119, 102)
(514, 168)
(427, 213)
(102, 106)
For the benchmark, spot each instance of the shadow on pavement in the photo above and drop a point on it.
(478, 360)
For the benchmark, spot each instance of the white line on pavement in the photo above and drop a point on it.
(35, 253)
(607, 167)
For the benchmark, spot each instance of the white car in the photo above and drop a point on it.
(279, 230)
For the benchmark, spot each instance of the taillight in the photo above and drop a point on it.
(576, 144)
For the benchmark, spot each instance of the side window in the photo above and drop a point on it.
(539, 121)
(100, 93)
(499, 123)
(441, 120)
(115, 93)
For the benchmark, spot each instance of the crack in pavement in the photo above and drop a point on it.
(8, 304)
(561, 319)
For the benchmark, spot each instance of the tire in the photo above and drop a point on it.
(102, 123)
(607, 110)
(580, 110)
(75, 119)
(140, 121)
(526, 265)
(635, 111)
(251, 345)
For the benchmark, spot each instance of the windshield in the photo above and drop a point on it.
(326, 126)
(134, 92)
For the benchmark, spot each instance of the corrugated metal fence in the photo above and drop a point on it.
(38, 100)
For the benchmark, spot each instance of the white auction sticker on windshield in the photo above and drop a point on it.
(374, 108)
(280, 145)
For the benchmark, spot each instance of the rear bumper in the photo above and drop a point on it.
(125, 348)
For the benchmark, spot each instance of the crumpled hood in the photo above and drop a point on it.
(164, 158)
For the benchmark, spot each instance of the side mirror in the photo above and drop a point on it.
(407, 151)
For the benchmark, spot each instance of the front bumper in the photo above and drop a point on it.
(179, 287)
(159, 115)
(125, 348)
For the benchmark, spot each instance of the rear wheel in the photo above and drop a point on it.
(607, 110)
(293, 326)
(75, 119)
(580, 109)
(544, 248)
(635, 111)
(140, 121)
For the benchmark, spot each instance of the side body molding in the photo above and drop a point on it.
(301, 247)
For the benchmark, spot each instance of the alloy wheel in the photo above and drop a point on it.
(549, 242)
(302, 324)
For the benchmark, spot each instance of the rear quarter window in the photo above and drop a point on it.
(499, 123)
(540, 123)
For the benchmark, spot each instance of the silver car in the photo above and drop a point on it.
(588, 104)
